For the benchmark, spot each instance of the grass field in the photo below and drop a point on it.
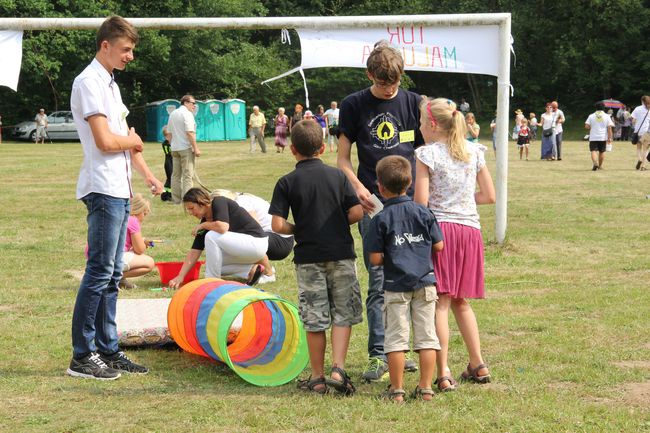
(564, 326)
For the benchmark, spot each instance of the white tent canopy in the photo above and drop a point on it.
(501, 52)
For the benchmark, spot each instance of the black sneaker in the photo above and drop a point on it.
(375, 370)
(92, 367)
(119, 361)
(409, 363)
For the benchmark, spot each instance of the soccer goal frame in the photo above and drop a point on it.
(502, 20)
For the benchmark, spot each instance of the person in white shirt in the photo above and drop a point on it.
(41, 126)
(333, 125)
(599, 124)
(182, 126)
(641, 126)
(110, 149)
(559, 120)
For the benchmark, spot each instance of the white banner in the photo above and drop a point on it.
(11, 53)
(462, 49)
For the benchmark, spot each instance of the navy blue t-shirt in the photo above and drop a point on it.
(404, 232)
(319, 197)
(381, 127)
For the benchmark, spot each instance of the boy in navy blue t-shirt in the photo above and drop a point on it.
(323, 205)
(401, 238)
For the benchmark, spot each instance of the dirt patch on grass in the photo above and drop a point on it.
(6, 308)
(561, 386)
(633, 364)
(76, 274)
(637, 394)
(511, 293)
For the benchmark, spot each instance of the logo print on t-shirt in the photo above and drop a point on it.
(384, 129)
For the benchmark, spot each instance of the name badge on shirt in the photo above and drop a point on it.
(407, 136)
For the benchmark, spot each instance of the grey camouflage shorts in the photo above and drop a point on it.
(328, 293)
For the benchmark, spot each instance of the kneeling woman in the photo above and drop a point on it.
(235, 244)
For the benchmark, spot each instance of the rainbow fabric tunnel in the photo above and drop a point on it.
(268, 350)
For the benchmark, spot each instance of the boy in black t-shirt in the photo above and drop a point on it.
(402, 238)
(167, 150)
(323, 205)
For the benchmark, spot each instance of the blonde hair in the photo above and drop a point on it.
(445, 115)
(139, 205)
(224, 193)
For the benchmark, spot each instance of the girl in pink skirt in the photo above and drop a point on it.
(448, 168)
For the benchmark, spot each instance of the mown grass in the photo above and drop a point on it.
(567, 303)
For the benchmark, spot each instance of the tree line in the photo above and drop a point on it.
(574, 52)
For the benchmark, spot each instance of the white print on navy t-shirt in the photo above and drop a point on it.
(384, 129)
(399, 240)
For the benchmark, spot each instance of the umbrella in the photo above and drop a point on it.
(612, 103)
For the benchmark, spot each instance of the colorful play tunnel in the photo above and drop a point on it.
(257, 334)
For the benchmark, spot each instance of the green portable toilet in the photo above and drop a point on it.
(157, 116)
(215, 127)
(200, 118)
(235, 118)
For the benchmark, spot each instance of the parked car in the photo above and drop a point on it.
(60, 127)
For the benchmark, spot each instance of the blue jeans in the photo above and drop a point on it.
(93, 320)
(558, 144)
(374, 301)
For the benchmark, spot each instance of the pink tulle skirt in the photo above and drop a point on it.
(459, 266)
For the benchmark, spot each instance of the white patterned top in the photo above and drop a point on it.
(452, 183)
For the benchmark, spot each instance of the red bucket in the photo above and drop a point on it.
(169, 270)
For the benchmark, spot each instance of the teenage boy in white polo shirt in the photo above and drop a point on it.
(110, 148)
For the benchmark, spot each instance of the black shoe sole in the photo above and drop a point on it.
(71, 372)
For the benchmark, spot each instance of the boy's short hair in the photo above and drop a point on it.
(385, 63)
(115, 27)
(307, 137)
(394, 173)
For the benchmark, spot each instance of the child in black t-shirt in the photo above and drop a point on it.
(402, 238)
(323, 205)
(167, 150)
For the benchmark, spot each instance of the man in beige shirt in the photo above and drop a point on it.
(182, 127)
(41, 126)
(257, 123)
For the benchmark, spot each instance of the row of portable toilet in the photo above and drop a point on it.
(215, 120)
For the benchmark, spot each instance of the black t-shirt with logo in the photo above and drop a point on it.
(381, 127)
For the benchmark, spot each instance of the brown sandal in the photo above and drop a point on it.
(471, 374)
(316, 385)
(419, 393)
(393, 395)
(452, 384)
(343, 386)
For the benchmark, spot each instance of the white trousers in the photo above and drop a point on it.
(232, 254)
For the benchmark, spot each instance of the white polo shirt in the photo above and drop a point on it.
(181, 121)
(641, 121)
(559, 114)
(333, 116)
(598, 123)
(95, 92)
